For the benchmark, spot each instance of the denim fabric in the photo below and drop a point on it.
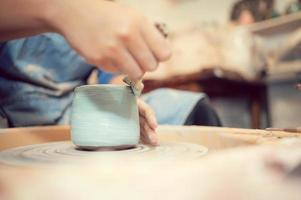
(105, 77)
(37, 78)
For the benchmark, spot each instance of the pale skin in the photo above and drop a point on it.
(106, 34)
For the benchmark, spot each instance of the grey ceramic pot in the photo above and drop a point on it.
(104, 116)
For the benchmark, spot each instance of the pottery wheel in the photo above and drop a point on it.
(66, 153)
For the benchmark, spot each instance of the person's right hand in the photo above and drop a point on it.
(111, 36)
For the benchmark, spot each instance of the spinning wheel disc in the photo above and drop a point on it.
(66, 153)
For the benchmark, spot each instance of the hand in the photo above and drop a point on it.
(148, 124)
(112, 36)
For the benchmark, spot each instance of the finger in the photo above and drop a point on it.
(127, 64)
(156, 42)
(143, 137)
(148, 135)
(141, 52)
(147, 112)
(108, 65)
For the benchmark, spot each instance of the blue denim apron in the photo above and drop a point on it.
(37, 78)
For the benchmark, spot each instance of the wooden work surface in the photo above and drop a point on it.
(235, 168)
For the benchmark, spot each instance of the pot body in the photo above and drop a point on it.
(104, 116)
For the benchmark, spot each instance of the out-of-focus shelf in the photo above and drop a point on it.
(279, 25)
(219, 83)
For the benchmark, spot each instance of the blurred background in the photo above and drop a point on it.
(181, 14)
(245, 55)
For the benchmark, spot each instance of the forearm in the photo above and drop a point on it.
(104, 33)
(20, 18)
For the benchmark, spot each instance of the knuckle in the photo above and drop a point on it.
(164, 54)
(126, 34)
(110, 53)
(145, 126)
(147, 61)
(112, 49)
(139, 75)
(152, 66)
(136, 75)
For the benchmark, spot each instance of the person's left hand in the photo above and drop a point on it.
(148, 124)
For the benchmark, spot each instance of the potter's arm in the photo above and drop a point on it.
(105, 33)
(21, 18)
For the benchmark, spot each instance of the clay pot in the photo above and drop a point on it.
(104, 116)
